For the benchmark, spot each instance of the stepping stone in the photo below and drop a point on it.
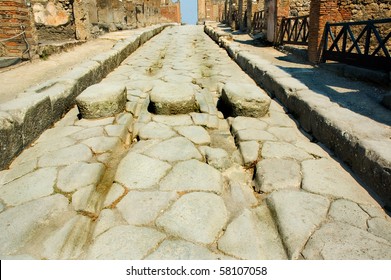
(245, 100)
(102, 100)
(173, 99)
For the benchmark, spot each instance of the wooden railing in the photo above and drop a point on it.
(363, 43)
(293, 30)
(258, 22)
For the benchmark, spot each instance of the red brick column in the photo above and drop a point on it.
(321, 11)
(13, 14)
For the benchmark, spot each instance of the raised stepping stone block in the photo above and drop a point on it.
(173, 99)
(244, 100)
(102, 100)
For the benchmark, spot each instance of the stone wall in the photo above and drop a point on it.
(171, 11)
(13, 15)
(299, 7)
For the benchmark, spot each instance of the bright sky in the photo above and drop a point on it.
(189, 11)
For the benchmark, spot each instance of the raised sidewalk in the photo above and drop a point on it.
(343, 114)
(24, 118)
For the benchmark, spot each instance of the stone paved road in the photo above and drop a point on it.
(150, 186)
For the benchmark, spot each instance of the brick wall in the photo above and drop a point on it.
(172, 12)
(13, 14)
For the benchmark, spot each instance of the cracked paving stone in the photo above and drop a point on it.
(108, 218)
(17, 171)
(88, 133)
(66, 156)
(285, 134)
(339, 241)
(92, 123)
(115, 193)
(216, 157)
(137, 171)
(325, 177)
(183, 250)
(254, 135)
(34, 185)
(102, 144)
(155, 130)
(174, 120)
(252, 237)
(298, 214)
(58, 132)
(78, 175)
(142, 208)
(240, 123)
(175, 149)
(197, 134)
(125, 242)
(117, 130)
(197, 217)
(192, 175)
(348, 212)
(249, 151)
(380, 227)
(18, 224)
(283, 150)
(80, 198)
(276, 174)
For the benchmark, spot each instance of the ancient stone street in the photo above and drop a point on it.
(199, 163)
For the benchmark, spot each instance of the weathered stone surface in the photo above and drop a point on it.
(348, 212)
(193, 175)
(240, 123)
(66, 156)
(283, 150)
(252, 237)
(250, 152)
(88, 133)
(142, 208)
(245, 100)
(254, 135)
(176, 120)
(140, 172)
(380, 227)
(197, 134)
(197, 217)
(207, 120)
(339, 241)
(114, 195)
(78, 175)
(17, 171)
(286, 134)
(108, 218)
(29, 187)
(175, 149)
(298, 214)
(118, 130)
(182, 250)
(173, 98)
(102, 100)
(102, 144)
(313, 149)
(27, 218)
(81, 197)
(1, 207)
(276, 174)
(11, 139)
(155, 130)
(125, 243)
(216, 157)
(58, 132)
(325, 177)
(94, 123)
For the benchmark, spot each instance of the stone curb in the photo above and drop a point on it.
(354, 138)
(23, 119)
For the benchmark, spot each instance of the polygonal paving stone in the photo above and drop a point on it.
(254, 135)
(81, 197)
(142, 208)
(155, 130)
(125, 243)
(17, 171)
(216, 157)
(252, 238)
(250, 152)
(108, 218)
(192, 175)
(285, 134)
(114, 195)
(26, 219)
(380, 227)
(102, 144)
(298, 214)
(348, 212)
(276, 174)
(137, 171)
(58, 132)
(197, 134)
(88, 133)
(175, 149)
(197, 217)
(240, 123)
(339, 241)
(79, 175)
(66, 156)
(283, 150)
(182, 250)
(325, 177)
(34, 185)
(94, 123)
(175, 120)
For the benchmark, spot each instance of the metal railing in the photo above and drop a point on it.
(258, 22)
(293, 30)
(362, 43)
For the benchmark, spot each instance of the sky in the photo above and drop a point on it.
(189, 11)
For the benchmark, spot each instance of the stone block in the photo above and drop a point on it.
(11, 140)
(102, 100)
(167, 99)
(244, 100)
